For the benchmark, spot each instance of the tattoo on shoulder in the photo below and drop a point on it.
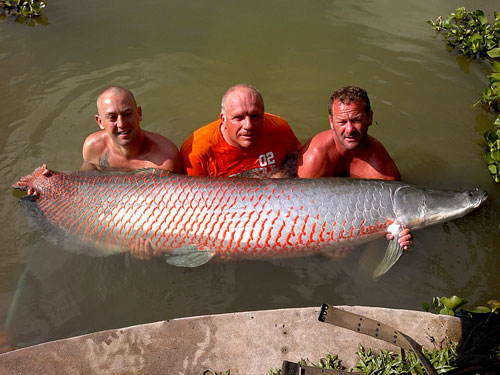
(103, 161)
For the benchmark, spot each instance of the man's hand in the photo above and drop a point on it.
(32, 191)
(404, 238)
(143, 249)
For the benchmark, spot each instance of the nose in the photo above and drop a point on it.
(247, 124)
(120, 121)
(349, 127)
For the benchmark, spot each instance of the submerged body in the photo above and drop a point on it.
(193, 218)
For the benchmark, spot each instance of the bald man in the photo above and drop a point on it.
(243, 138)
(121, 143)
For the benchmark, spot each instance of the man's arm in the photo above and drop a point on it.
(91, 152)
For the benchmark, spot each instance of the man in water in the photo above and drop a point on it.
(121, 143)
(243, 138)
(346, 150)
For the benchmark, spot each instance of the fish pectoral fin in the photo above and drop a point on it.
(189, 256)
(391, 256)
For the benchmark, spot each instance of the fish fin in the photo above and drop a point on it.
(391, 256)
(338, 254)
(189, 256)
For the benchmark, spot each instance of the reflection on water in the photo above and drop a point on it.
(178, 58)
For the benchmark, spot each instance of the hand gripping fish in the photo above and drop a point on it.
(191, 219)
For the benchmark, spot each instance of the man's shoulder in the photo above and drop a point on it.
(374, 161)
(275, 120)
(375, 148)
(202, 139)
(320, 147)
(277, 126)
(322, 141)
(96, 142)
(159, 140)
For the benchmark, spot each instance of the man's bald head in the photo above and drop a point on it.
(241, 88)
(114, 90)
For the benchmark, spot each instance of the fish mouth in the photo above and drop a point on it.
(480, 195)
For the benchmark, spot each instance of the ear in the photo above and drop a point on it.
(139, 112)
(99, 121)
(222, 118)
(370, 118)
(331, 121)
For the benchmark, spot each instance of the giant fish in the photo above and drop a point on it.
(191, 219)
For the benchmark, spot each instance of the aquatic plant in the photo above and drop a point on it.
(386, 362)
(26, 8)
(28, 12)
(450, 305)
(472, 35)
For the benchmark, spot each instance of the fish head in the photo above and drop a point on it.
(417, 208)
(440, 206)
(36, 182)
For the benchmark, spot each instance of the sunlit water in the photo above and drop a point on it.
(179, 57)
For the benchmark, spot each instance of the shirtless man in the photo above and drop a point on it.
(346, 150)
(121, 143)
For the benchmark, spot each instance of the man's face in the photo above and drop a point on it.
(243, 118)
(119, 116)
(350, 123)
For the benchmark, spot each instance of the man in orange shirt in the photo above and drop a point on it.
(243, 138)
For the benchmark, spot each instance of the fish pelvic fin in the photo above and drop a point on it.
(189, 256)
(391, 256)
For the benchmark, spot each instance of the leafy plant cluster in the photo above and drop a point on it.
(388, 363)
(472, 35)
(449, 306)
(26, 8)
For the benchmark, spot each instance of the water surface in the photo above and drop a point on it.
(178, 57)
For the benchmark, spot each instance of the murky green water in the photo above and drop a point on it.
(179, 57)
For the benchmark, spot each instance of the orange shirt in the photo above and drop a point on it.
(206, 153)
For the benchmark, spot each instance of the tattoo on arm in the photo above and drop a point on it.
(103, 161)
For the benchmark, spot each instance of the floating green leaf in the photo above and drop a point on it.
(493, 53)
(453, 303)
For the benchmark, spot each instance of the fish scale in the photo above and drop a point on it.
(231, 216)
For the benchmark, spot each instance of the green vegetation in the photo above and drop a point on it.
(24, 11)
(449, 306)
(387, 363)
(471, 34)
(26, 8)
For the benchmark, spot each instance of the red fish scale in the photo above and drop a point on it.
(224, 215)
